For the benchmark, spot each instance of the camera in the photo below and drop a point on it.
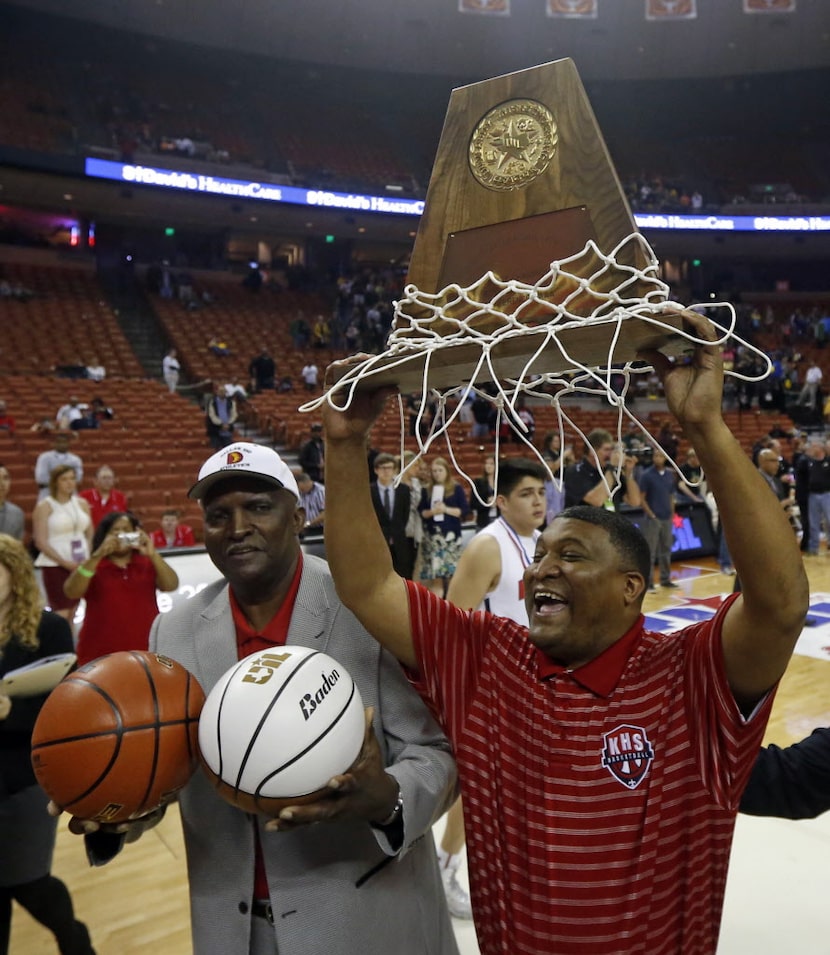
(132, 538)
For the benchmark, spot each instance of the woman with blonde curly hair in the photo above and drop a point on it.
(27, 832)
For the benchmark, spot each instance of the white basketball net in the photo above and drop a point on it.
(584, 289)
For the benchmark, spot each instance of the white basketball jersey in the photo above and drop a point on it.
(508, 598)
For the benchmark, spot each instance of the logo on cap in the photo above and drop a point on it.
(234, 457)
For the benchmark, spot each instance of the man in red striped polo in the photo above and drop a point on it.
(601, 764)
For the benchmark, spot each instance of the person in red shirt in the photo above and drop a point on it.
(104, 497)
(602, 764)
(172, 533)
(6, 420)
(119, 582)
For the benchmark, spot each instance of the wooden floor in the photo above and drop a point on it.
(138, 904)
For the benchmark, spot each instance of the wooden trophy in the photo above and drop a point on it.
(522, 178)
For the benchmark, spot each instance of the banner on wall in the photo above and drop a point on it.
(769, 6)
(573, 9)
(671, 9)
(496, 8)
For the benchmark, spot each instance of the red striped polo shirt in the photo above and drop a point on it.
(600, 802)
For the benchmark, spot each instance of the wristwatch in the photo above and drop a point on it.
(392, 818)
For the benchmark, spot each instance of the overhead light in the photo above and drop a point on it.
(68, 196)
(393, 188)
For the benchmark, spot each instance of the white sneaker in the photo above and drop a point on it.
(458, 901)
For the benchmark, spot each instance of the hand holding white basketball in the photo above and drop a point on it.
(278, 725)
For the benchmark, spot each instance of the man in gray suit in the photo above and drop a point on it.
(365, 877)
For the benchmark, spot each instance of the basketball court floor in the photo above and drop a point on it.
(775, 899)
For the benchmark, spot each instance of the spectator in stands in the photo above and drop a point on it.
(262, 370)
(87, 422)
(443, 506)
(6, 420)
(234, 389)
(60, 454)
(104, 498)
(124, 570)
(321, 332)
(658, 485)
(809, 394)
(312, 456)
(220, 415)
(76, 369)
(309, 375)
(101, 410)
(71, 411)
(393, 508)
(692, 477)
(170, 369)
(219, 347)
(63, 534)
(286, 384)
(312, 501)
(95, 371)
(172, 533)
(12, 519)
(300, 332)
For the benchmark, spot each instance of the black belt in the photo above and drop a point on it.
(262, 909)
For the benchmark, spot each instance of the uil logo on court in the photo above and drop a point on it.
(627, 754)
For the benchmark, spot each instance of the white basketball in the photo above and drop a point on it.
(279, 724)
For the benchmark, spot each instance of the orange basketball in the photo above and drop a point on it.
(118, 737)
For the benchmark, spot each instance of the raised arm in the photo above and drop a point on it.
(761, 627)
(357, 553)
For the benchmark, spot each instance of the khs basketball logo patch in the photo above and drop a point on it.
(627, 754)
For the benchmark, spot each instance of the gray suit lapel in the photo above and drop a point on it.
(310, 623)
(217, 640)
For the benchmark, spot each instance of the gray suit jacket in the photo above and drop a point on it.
(336, 888)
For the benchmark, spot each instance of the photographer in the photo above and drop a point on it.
(587, 484)
(119, 582)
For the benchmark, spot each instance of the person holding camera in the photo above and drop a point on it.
(610, 485)
(119, 582)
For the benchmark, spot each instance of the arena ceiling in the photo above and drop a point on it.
(431, 36)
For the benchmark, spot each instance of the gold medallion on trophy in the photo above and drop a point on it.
(513, 144)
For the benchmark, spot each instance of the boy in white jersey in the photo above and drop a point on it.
(491, 570)
(493, 563)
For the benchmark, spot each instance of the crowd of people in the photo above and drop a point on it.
(528, 641)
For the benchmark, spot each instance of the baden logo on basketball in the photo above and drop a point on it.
(309, 703)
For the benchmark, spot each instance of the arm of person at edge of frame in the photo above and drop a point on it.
(356, 551)
(762, 625)
(791, 782)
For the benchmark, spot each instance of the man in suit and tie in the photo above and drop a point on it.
(363, 879)
(392, 506)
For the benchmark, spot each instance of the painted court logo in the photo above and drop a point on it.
(627, 754)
